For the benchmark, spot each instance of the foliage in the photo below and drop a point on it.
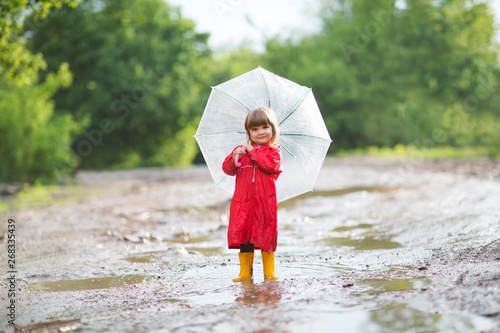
(418, 71)
(15, 60)
(417, 75)
(235, 63)
(33, 138)
(39, 195)
(414, 152)
(140, 74)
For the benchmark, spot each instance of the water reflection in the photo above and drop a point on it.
(268, 292)
(91, 283)
(391, 318)
(378, 286)
(402, 318)
(292, 202)
(362, 244)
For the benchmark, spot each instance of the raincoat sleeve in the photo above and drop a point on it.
(228, 165)
(267, 159)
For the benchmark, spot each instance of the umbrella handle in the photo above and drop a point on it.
(237, 157)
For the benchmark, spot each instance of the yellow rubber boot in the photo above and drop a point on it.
(268, 262)
(246, 266)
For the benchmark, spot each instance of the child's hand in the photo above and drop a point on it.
(248, 146)
(238, 151)
(237, 154)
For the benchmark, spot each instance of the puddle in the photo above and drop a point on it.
(266, 293)
(306, 270)
(214, 299)
(362, 244)
(160, 256)
(157, 256)
(402, 318)
(335, 193)
(378, 286)
(189, 240)
(206, 251)
(142, 258)
(394, 318)
(91, 283)
(248, 292)
(52, 326)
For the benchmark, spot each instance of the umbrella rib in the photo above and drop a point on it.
(219, 133)
(298, 105)
(222, 91)
(308, 135)
(267, 86)
(291, 154)
(220, 181)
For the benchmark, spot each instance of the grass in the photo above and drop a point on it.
(38, 195)
(411, 151)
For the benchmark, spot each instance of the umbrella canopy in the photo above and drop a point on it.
(304, 138)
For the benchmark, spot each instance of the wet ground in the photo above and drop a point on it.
(379, 246)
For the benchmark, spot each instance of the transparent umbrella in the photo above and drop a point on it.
(304, 138)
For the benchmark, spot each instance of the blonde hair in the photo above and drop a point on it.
(262, 116)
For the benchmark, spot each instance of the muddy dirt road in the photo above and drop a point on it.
(380, 246)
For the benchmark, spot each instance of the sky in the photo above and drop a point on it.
(232, 23)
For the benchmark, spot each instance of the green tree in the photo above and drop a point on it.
(419, 71)
(15, 60)
(34, 139)
(455, 67)
(140, 73)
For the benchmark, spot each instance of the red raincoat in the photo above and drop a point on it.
(253, 215)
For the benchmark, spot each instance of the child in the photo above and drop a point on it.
(253, 215)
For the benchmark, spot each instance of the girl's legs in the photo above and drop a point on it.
(248, 247)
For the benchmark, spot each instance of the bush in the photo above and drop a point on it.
(34, 140)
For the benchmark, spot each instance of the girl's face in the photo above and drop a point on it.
(261, 135)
